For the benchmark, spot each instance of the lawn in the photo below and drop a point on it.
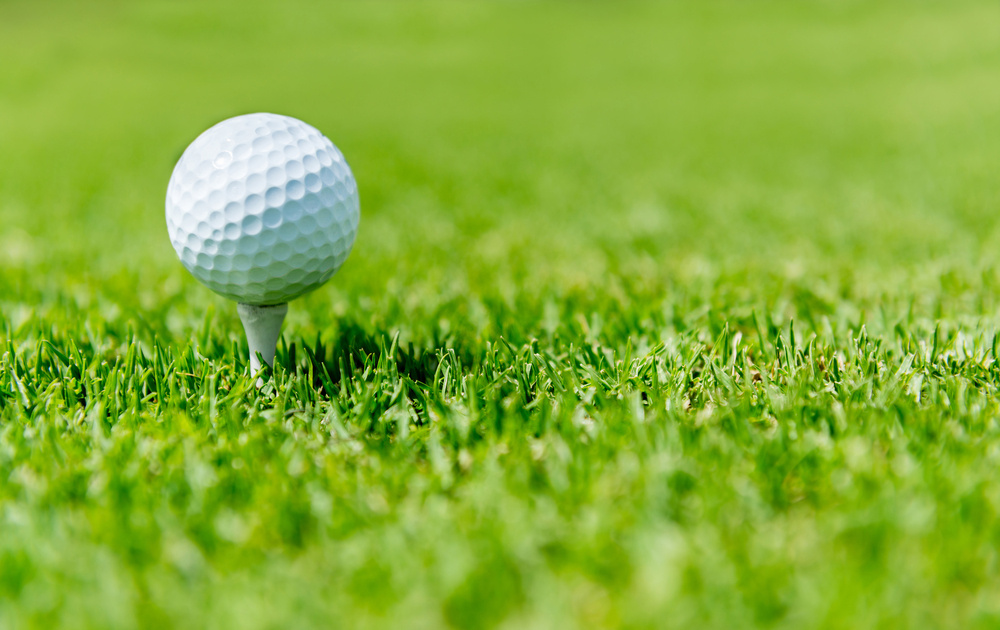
(661, 315)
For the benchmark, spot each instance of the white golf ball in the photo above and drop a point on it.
(262, 208)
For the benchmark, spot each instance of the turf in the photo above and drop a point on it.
(661, 315)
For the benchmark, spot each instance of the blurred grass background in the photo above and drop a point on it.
(531, 146)
(742, 133)
(618, 173)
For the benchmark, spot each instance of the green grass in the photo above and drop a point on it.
(660, 315)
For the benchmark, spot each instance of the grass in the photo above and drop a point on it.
(660, 315)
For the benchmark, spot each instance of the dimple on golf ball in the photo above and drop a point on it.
(262, 208)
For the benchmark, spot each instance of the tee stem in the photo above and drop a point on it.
(263, 327)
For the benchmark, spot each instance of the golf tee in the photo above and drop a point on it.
(263, 326)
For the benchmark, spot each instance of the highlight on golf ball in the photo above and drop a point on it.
(262, 208)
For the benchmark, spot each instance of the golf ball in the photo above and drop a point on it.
(262, 208)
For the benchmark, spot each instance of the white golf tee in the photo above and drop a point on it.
(263, 327)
